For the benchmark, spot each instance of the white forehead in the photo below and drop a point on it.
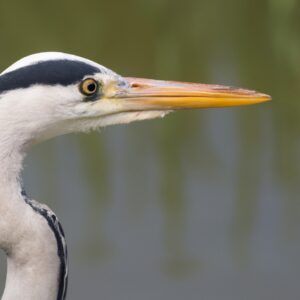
(48, 56)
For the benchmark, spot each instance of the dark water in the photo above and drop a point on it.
(199, 205)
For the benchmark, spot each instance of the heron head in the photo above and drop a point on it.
(49, 94)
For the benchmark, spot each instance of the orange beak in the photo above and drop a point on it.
(148, 94)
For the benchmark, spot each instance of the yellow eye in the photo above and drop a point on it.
(89, 87)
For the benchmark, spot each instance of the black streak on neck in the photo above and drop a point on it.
(62, 253)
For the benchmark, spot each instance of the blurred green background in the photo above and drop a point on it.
(199, 205)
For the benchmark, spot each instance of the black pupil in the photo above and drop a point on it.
(91, 87)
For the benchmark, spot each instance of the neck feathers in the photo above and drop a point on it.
(36, 253)
(30, 233)
(62, 254)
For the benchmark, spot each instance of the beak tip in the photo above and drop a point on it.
(265, 98)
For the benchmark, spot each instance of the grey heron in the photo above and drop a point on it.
(49, 94)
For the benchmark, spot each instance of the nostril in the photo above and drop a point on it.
(135, 85)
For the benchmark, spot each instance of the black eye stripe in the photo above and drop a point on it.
(63, 72)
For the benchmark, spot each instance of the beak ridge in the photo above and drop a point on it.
(172, 95)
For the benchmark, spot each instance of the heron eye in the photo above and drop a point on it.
(89, 87)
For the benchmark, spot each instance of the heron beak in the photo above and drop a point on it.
(147, 94)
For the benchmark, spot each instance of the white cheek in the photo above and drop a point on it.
(46, 101)
(36, 109)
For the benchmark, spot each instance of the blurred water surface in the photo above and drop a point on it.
(199, 205)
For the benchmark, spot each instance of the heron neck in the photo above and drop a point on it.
(30, 235)
(33, 266)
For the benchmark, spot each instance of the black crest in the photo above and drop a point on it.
(51, 72)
